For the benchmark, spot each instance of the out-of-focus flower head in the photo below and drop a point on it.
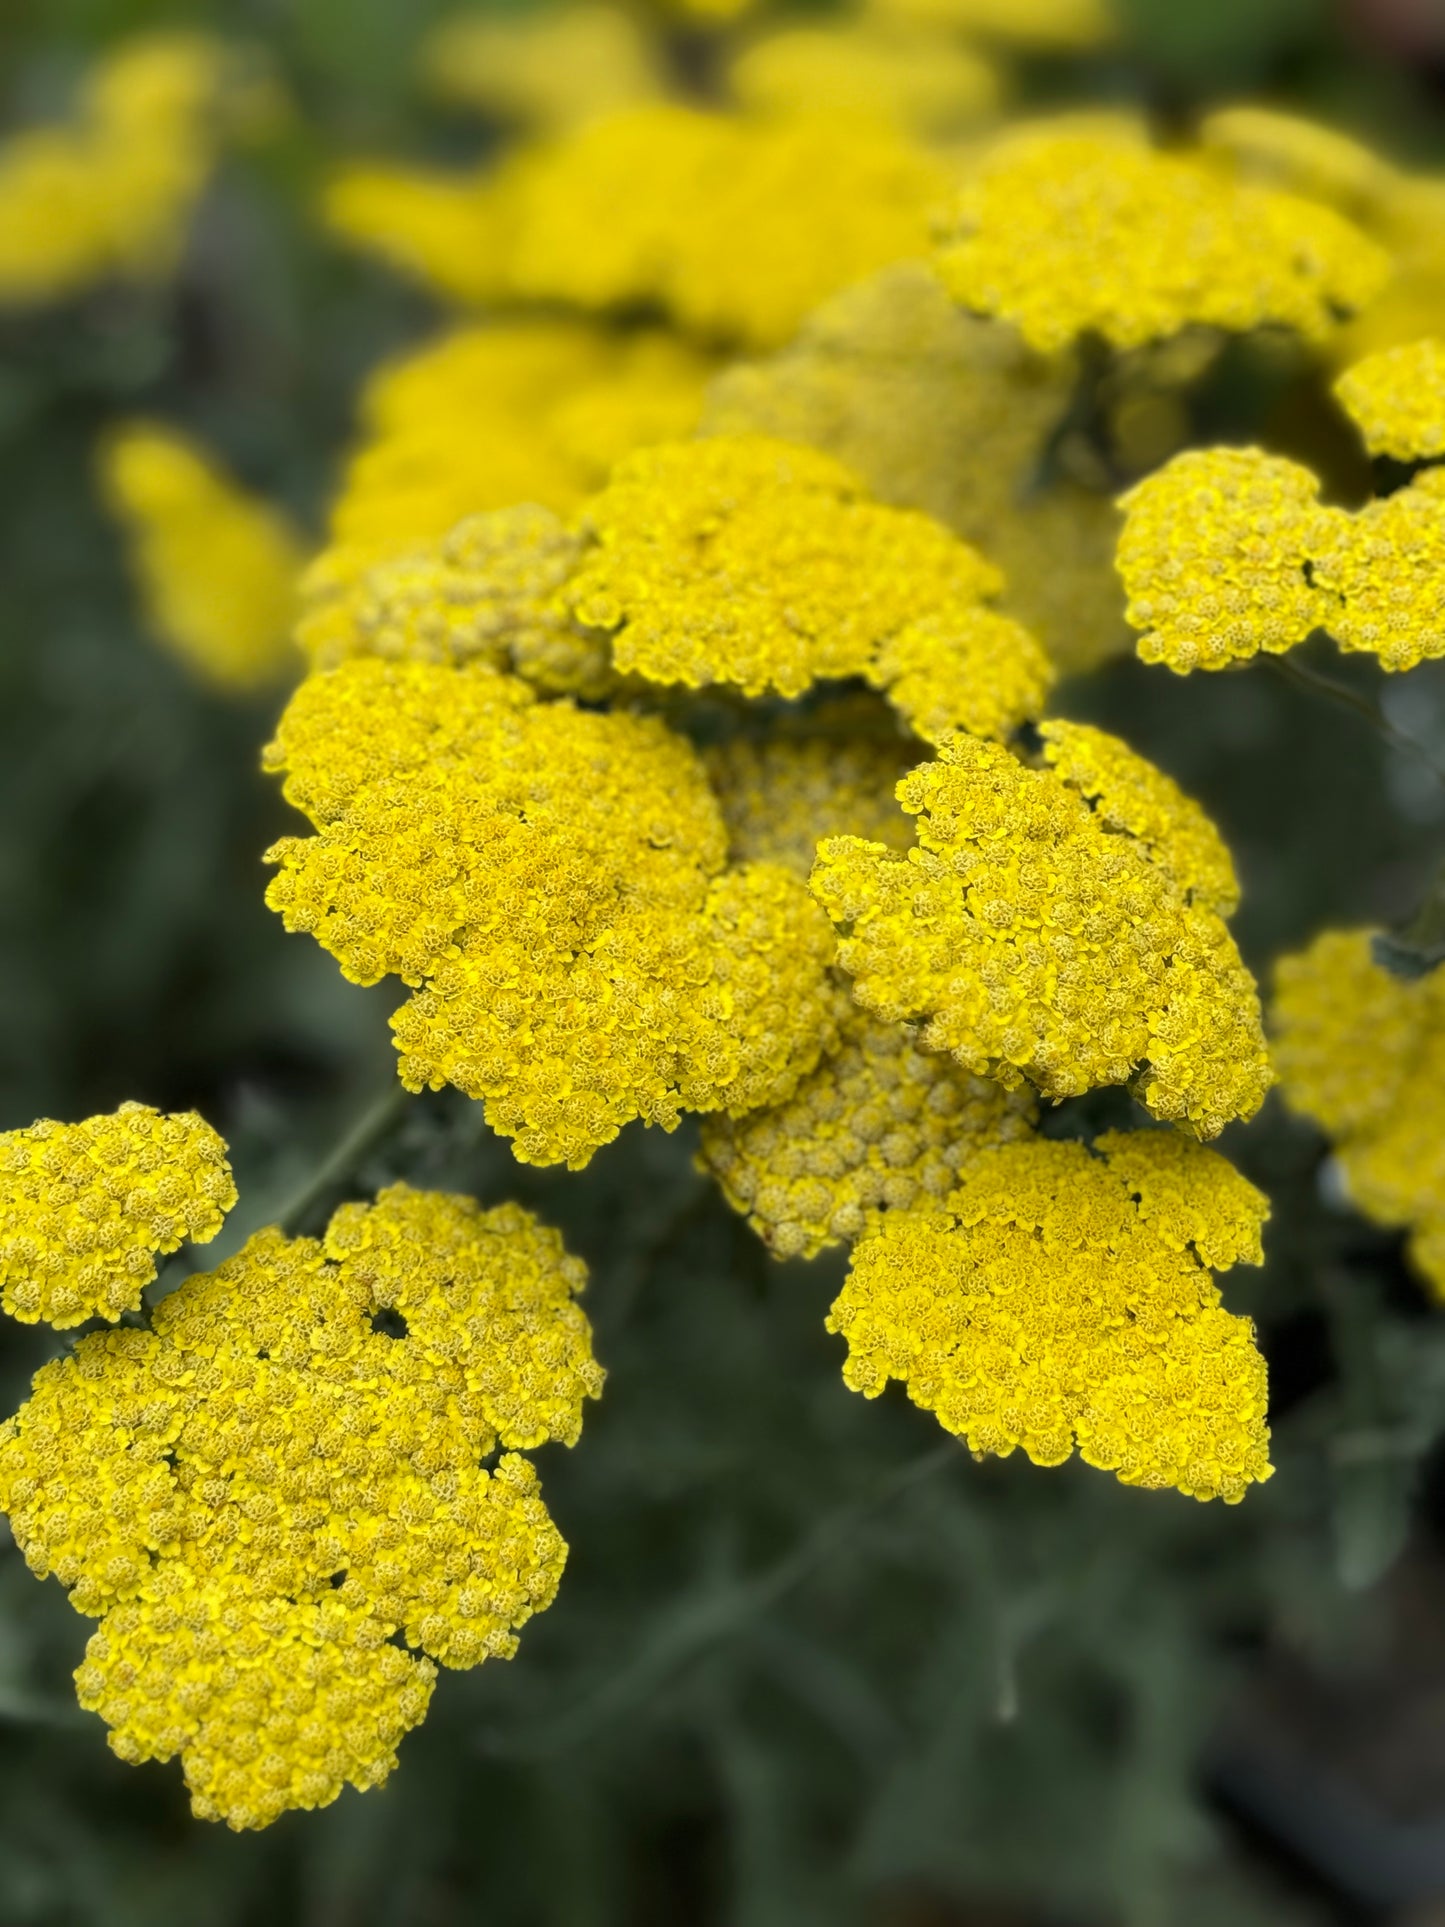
(1303, 157)
(951, 413)
(745, 561)
(1362, 1053)
(1061, 1298)
(552, 883)
(110, 191)
(85, 1208)
(217, 567)
(274, 1499)
(545, 70)
(1065, 233)
(1063, 26)
(1397, 400)
(528, 410)
(451, 231)
(1035, 936)
(919, 81)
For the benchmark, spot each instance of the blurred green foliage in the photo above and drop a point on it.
(807, 1665)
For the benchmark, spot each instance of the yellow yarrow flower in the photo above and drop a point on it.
(284, 1474)
(1397, 400)
(1228, 551)
(1064, 234)
(781, 794)
(111, 191)
(950, 413)
(532, 410)
(1362, 1053)
(1032, 938)
(452, 232)
(550, 69)
(745, 561)
(217, 567)
(1064, 25)
(1061, 1298)
(921, 82)
(552, 883)
(1304, 157)
(880, 1124)
(85, 1208)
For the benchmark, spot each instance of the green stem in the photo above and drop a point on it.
(1339, 692)
(373, 1126)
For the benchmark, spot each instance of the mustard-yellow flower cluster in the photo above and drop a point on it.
(734, 229)
(1036, 937)
(84, 1208)
(1061, 1298)
(880, 1124)
(111, 190)
(1228, 551)
(552, 883)
(1362, 1053)
(1068, 233)
(217, 568)
(781, 794)
(922, 82)
(488, 592)
(284, 1474)
(756, 563)
(548, 69)
(948, 412)
(1397, 400)
(530, 410)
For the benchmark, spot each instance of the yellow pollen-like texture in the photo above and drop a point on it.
(1063, 234)
(879, 1125)
(487, 592)
(1062, 1299)
(84, 1209)
(751, 562)
(1397, 400)
(782, 794)
(951, 413)
(111, 190)
(274, 1499)
(1228, 551)
(531, 410)
(217, 567)
(1362, 1053)
(551, 881)
(1036, 937)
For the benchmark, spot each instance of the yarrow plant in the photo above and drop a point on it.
(680, 713)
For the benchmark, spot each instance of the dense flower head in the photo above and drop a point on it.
(1396, 399)
(111, 190)
(1362, 1053)
(742, 560)
(548, 69)
(488, 591)
(780, 794)
(529, 410)
(948, 412)
(1130, 795)
(1065, 25)
(1062, 1298)
(217, 567)
(285, 1473)
(919, 81)
(84, 1208)
(1066, 233)
(1229, 551)
(879, 1125)
(1036, 937)
(552, 882)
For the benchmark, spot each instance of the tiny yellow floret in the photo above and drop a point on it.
(1062, 1298)
(84, 1208)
